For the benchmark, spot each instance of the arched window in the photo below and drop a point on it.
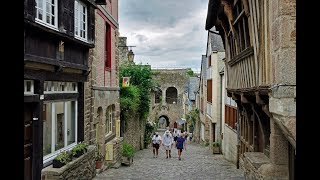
(171, 95)
(109, 119)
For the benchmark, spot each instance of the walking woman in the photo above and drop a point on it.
(180, 144)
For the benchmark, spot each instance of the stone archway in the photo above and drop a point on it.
(163, 121)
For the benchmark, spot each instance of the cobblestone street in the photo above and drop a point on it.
(196, 163)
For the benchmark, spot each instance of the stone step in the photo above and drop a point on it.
(116, 165)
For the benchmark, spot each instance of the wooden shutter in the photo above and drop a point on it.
(66, 16)
(91, 24)
(30, 9)
(209, 90)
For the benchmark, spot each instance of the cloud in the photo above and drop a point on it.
(166, 33)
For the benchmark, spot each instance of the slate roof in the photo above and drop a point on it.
(193, 86)
(216, 41)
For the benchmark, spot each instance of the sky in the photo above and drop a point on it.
(166, 33)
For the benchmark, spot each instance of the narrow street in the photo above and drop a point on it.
(196, 163)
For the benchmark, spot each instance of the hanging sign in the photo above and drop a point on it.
(125, 81)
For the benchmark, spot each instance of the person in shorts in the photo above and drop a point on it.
(167, 141)
(156, 142)
(180, 144)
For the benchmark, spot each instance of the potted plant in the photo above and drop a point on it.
(79, 149)
(98, 157)
(216, 147)
(127, 152)
(62, 159)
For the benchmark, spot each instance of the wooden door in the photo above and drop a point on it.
(27, 142)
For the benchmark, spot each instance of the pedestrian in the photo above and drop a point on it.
(167, 142)
(156, 142)
(180, 144)
(190, 137)
(175, 136)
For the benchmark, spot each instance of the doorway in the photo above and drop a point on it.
(28, 111)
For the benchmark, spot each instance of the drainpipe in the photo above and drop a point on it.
(221, 75)
(238, 136)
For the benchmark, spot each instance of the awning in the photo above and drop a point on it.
(212, 13)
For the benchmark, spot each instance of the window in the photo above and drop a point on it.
(80, 20)
(171, 95)
(28, 87)
(230, 116)
(109, 119)
(46, 12)
(59, 127)
(242, 41)
(209, 61)
(60, 87)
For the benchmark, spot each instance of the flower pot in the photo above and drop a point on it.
(57, 164)
(216, 150)
(127, 161)
(99, 164)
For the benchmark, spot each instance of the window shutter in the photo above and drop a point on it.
(91, 24)
(66, 16)
(30, 9)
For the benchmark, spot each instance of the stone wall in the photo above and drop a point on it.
(229, 144)
(283, 59)
(134, 131)
(117, 144)
(123, 51)
(82, 167)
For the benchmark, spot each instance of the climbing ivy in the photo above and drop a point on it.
(136, 97)
(192, 118)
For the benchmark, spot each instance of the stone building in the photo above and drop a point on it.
(190, 99)
(215, 54)
(167, 100)
(126, 54)
(56, 53)
(260, 42)
(202, 128)
(102, 111)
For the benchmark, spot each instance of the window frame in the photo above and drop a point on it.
(26, 87)
(109, 121)
(77, 22)
(44, 12)
(49, 157)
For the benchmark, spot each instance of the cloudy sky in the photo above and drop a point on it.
(166, 33)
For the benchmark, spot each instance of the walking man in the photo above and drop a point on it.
(156, 142)
(167, 142)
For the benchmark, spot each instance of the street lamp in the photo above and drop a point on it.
(130, 56)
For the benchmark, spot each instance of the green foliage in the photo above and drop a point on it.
(136, 97)
(79, 148)
(147, 135)
(190, 73)
(64, 157)
(216, 144)
(192, 118)
(129, 98)
(127, 150)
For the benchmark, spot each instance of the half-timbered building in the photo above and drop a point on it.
(259, 39)
(57, 37)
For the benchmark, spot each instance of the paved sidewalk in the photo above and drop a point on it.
(196, 163)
